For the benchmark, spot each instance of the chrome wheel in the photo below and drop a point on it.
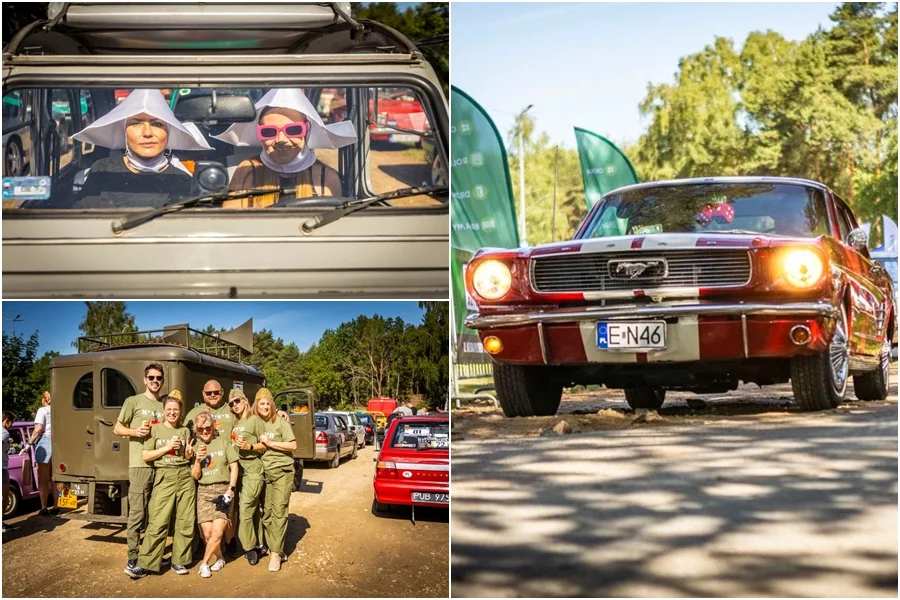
(13, 159)
(839, 354)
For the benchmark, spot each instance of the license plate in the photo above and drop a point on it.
(401, 138)
(650, 335)
(64, 496)
(79, 489)
(432, 497)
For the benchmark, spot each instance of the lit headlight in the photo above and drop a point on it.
(491, 279)
(802, 268)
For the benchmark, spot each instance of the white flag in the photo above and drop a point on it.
(890, 235)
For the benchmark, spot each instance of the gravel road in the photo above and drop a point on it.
(337, 548)
(744, 497)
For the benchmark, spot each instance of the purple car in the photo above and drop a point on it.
(18, 433)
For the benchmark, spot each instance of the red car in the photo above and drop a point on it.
(400, 116)
(413, 466)
(693, 285)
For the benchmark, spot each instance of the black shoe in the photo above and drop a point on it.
(43, 513)
(252, 557)
(53, 510)
(166, 563)
(263, 551)
(137, 573)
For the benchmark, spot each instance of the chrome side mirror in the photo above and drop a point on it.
(858, 238)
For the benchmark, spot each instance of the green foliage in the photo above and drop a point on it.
(823, 108)
(25, 376)
(424, 21)
(106, 318)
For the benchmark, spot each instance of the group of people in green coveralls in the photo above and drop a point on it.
(194, 466)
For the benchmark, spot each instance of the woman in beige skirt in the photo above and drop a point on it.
(216, 470)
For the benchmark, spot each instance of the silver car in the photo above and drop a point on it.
(334, 440)
(355, 424)
(382, 235)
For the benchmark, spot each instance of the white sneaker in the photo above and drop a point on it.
(204, 570)
(217, 566)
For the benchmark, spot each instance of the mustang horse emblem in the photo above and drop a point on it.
(635, 269)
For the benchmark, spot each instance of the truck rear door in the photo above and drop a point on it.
(72, 420)
(300, 405)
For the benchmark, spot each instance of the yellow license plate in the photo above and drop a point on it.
(64, 497)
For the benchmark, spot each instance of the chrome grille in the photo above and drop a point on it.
(685, 268)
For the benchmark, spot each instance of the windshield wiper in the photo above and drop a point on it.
(125, 223)
(351, 206)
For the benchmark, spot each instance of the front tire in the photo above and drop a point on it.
(820, 381)
(645, 396)
(13, 500)
(874, 385)
(526, 391)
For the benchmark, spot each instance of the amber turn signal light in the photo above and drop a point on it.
(493, 345)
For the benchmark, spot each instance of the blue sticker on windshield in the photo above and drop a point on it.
(26, 188)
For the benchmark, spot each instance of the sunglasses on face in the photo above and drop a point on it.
(235, 402)
(154, 377)
(291, 130)
(214, 393)
(204, 429)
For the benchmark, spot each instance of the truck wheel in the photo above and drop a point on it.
(336, 461)
(13, 500)
(525, 391)
(820, 381)
(645, 396)
(874, 385)
(298, 474)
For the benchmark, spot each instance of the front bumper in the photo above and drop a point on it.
(694, 331)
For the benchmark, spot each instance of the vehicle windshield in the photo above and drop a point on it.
(768, 208)
(93, 148)
(367, 419)
(427, 435)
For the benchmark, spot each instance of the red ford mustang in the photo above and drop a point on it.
(695, 285)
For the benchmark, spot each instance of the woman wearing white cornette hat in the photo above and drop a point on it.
(289, 129)
(147, 175)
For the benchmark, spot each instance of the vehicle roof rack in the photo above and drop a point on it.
(231, 345)
(178, 28)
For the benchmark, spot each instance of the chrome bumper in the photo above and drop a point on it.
(662, 310)
(637, 311)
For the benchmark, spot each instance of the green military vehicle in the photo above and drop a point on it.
(89, 389)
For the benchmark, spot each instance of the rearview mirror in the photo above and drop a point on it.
(215, 108)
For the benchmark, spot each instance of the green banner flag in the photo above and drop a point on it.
(603, 166)
(482, 209)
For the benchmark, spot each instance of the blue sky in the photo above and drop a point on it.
(300, 322)
(588, 65)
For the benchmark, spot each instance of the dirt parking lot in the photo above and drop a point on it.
(745, 496)
(337, 548)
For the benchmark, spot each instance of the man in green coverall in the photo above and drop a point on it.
(138, 414)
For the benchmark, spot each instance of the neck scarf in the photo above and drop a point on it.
(301, 162)
(147, 165)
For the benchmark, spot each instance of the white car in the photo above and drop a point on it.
(355, 423)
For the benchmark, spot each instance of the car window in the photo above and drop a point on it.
(321, 422)
(339, 423)
(767, 208)
(294, 403)
(83, 396)
(115, 388)
(434, 435)
(372, 140)
(846, 220)
(13, 109)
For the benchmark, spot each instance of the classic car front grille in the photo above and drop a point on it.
(598, 272)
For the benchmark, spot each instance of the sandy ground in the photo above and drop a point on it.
(744, 497)
(337, 548)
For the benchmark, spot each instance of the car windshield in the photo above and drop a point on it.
(768, 208)
(87, 148)
(422, 435)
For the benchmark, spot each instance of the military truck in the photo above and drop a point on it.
(89, 389)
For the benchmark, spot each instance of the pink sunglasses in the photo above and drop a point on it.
(291, 130)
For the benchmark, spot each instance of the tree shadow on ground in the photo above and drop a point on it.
(804, 507)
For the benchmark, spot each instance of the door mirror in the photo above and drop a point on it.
(857, 238)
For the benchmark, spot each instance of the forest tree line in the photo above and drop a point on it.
(360, 359)
(824, 108)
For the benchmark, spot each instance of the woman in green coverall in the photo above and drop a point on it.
(278, 468)
(173, 490)
(245, 433)
(216, 470)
